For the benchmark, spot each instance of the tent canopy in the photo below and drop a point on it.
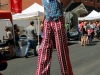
(93, 15)
(6, 15)
(30, 12)
(33, 8)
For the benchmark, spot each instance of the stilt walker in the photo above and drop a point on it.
(54, 25)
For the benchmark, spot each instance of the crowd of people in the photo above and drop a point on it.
(89, 30)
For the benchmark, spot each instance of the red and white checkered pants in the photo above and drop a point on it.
(56, 28)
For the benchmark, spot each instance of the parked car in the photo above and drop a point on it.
(73, 34)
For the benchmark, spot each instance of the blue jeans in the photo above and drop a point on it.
(90, 38)
(31, 44)
(98, 32)
(80, 34)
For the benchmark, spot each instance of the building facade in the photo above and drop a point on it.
(90, 3)
(5, 4)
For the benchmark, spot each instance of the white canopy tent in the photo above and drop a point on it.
(97, 17)
(27, 16)
(93, 15)
(30, 12)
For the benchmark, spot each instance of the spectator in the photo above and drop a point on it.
(98, 30)
(84, 34)
(31, 40)
(9, 41)
(92, 31)
(80, 25)
(89, 40)
(17, 33)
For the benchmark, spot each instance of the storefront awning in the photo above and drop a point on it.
(6, 15)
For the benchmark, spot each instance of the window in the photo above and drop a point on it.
(91, 0)
(98, 1)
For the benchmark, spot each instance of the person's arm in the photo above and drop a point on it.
(44, 16)
(26, 32)
(41, 27)
(34, 33)
(18, 32)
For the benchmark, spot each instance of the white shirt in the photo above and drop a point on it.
(9, 35)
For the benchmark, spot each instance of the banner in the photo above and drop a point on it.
(16, 6)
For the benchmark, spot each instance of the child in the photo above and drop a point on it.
(89, 35)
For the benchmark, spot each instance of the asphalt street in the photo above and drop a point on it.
(85, 61)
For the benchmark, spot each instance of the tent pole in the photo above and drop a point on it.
(69, 21)
(7, 23)
(13, 34)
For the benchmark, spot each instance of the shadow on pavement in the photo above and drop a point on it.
(91, 44)
(94, 43)
(71, 43)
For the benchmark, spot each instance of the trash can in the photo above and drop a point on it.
(20, 52)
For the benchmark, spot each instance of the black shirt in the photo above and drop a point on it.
(84, 30)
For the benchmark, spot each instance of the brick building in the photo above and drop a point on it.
(90, 4)
(69, 5)
(5, 4)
